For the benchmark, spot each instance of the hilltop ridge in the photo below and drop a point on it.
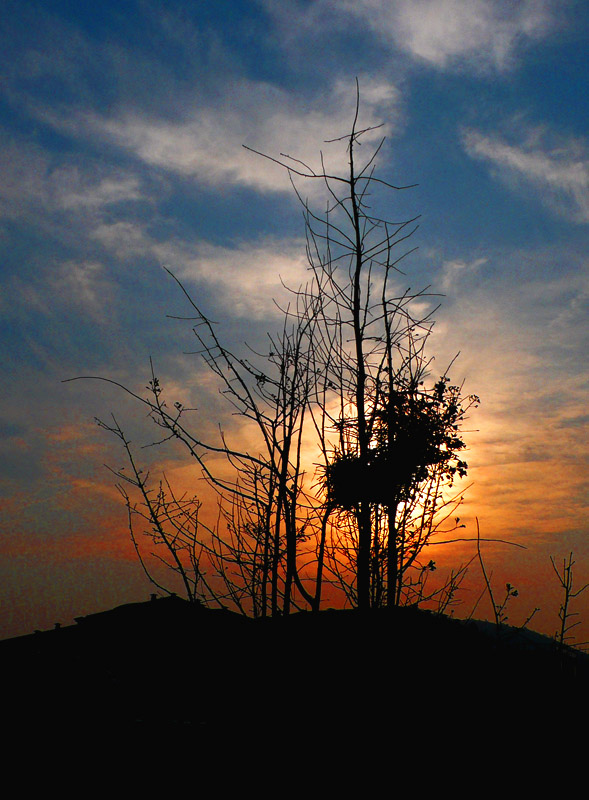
(168, 662)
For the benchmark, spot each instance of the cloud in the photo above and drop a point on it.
(30, 179)
(81, 286)
(85, 285)
(244, 279)
(206, 142)
(125, 238)
(525, 444)
(73, 190)
(557, 169)
(474, 34)
(446, 32)
(454, 271)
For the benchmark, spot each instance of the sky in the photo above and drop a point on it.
(121, 132)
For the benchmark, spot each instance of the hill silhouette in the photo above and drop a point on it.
(168, 664)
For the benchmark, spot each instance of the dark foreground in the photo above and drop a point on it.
(167, 667)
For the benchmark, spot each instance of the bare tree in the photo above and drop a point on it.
(349, 374)
(389, 444)
(252, 549)
(565, 578)
(172, 521)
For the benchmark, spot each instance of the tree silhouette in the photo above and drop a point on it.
(348, 375)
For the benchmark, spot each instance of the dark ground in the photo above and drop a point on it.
(166, 666)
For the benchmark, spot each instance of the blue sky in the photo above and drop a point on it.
(121, 127)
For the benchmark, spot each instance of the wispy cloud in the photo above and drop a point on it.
(205, 143)
(477, 35)
(30, 178)
(81, 286)
(247, 279)
(456, 270)
(449, 32)
(525, 446)
(73, 190)
(557, 167)
(244, 280)
(85, 285)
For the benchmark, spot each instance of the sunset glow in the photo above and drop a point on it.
(122, 130)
